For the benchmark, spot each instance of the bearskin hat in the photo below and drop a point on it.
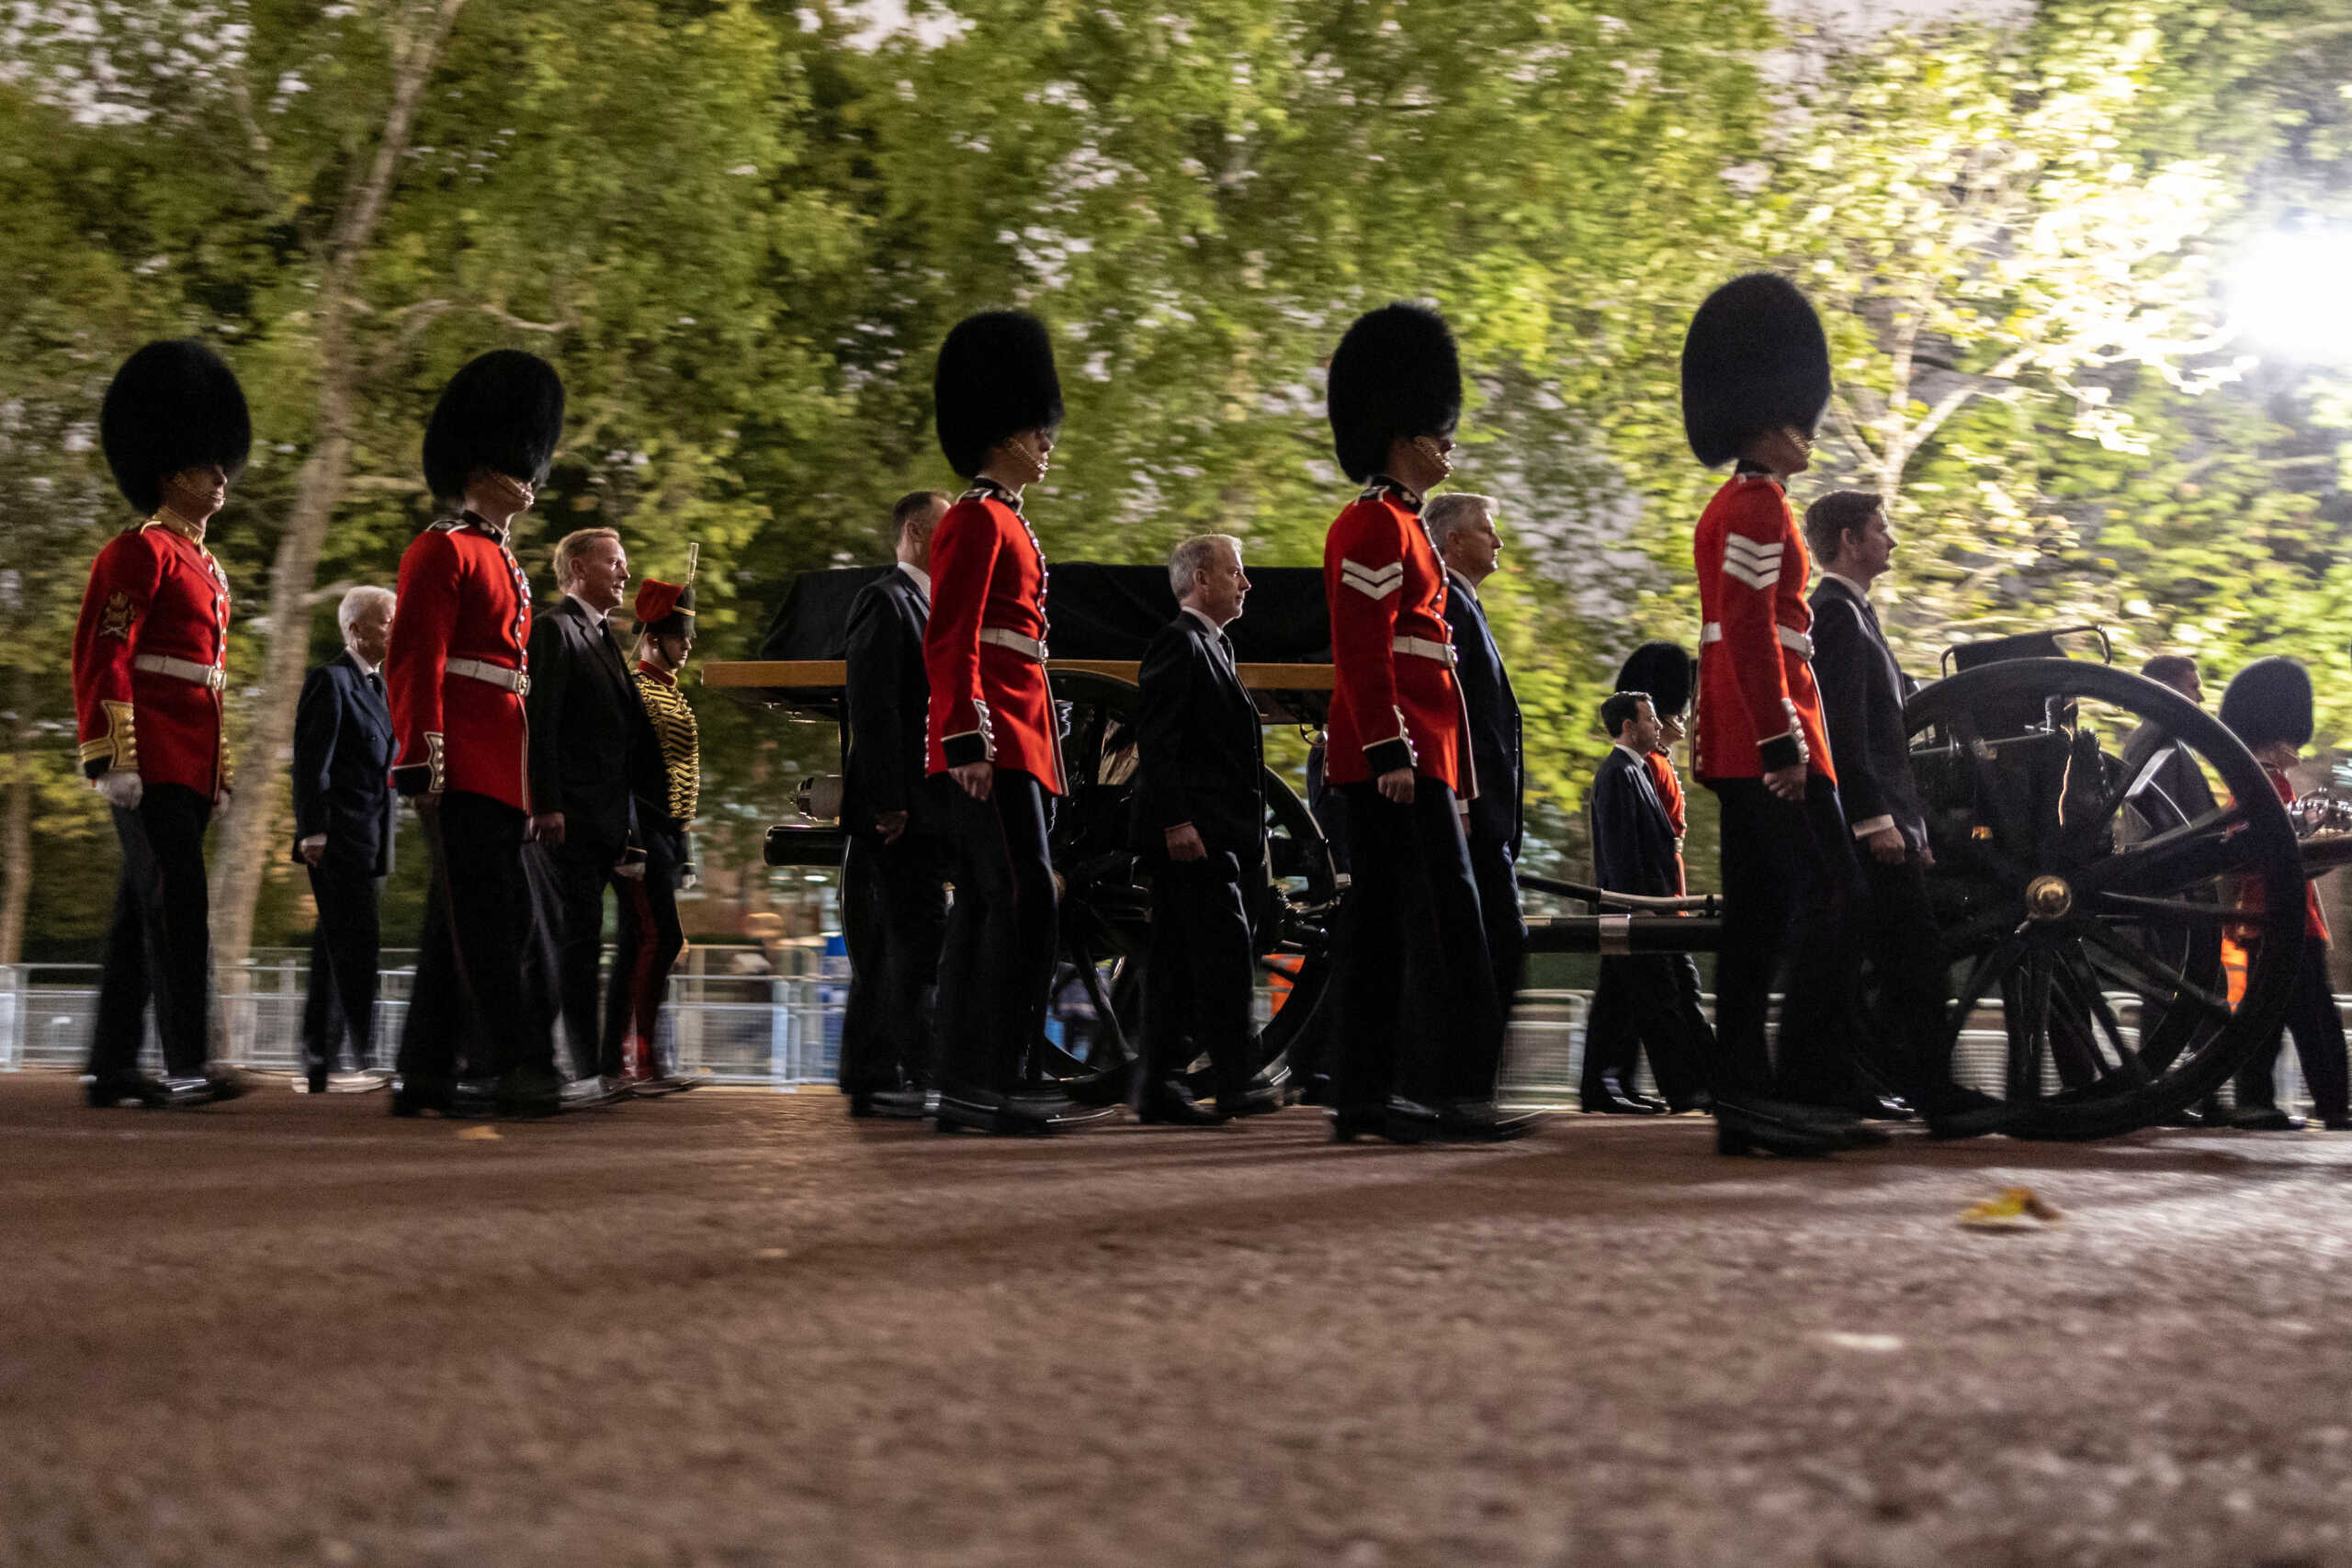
(503, 412)
(173, 405)
(1663, 669)
(1395, 373)
(1754, 360)
(995, 380)
(2270, 701)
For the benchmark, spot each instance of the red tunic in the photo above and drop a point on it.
(154, 593)
(989, 698)
(2250, 889)
(462, 596)
(1669, 784)
(1391, 707)
(1758, 709)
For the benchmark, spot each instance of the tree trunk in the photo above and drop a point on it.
(249, 835)
(16, 833)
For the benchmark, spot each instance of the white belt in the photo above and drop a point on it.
(1421, 647)
(1029, 645)
(1792, 639)
(210, 676)
(515, 681)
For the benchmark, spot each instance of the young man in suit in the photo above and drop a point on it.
(1200, 826)
(1636, 850)
(477, 1038)
(1462, 528)
(344, 818)
(593, 752)
(150, 651)
(895, 864)
(1399, 751)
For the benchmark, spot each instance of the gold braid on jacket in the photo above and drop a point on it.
(673, 722)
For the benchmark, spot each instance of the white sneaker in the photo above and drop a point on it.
(362, 1082)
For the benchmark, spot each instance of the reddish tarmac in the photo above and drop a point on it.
(737, 1329)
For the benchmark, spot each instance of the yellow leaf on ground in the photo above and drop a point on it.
(2010, 1210)
(477, 1133)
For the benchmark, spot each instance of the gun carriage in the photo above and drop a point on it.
(2091, 926)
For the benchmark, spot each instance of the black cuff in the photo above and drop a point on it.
(1781, 752)
(1387, 756)
(414, 779)
(964, 750)
(94, 766)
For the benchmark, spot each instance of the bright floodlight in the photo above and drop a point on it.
(2291, 296)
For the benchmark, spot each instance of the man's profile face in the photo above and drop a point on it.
(371, 630)
(1219, 587)
(600, 573)
(1473, 548)
(1641, 732)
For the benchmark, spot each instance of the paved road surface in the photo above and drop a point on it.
(735, 1329)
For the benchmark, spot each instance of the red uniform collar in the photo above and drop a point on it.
(646, 667)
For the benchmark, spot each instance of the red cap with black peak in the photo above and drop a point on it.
(667, 608)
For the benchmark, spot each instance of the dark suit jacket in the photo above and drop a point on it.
(1498, 813)
(886, 700)
(342, 761)
(591, 746)
(1632, 839)
(2175, 792)
(1861, 705)
(1199, 751)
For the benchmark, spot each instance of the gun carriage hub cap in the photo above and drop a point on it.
(2048, 898)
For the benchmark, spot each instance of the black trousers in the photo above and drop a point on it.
(644, 951)
(159, 945)
(996, 965)
(2318, 1030)
(1496, 875)
(894, 919)
(481, 1004)
(568, 882)
(1648, 1000)
(1413, 899)
(344, 949)
(1789, 882)
(1907, 1047)
(1202, 971)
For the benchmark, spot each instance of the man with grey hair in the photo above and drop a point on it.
(1200, 827)
(344, 817)
(1461, 529)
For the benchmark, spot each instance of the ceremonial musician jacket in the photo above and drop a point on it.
(681, 741)
(155, 594)
(1758, 709)
(1395, 703)
(463, 598)
(984, 647)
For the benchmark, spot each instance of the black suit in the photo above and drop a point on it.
(1862, 704)
(894, 898)
(593, 752)
(1650, 997)
(1497, 816)
(343, 760)
(1200, 761)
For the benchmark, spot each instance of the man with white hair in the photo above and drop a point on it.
(344, 817)
(1200, 825)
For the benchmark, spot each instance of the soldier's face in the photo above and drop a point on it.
(675, 648)
(1670, 730)
(196, 493)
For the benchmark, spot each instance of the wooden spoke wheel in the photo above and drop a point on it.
(2084, 926)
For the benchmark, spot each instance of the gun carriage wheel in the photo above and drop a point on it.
(2090, 913)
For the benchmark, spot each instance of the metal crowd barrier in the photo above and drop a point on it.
(783, 1031)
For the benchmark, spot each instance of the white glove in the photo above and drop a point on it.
(121, 787)
(632, 869)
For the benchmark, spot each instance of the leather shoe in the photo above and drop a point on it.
(2337, 1123)
(888, 1104)
(1398, 1121)
(529, 1092)
(2264, 1119)
(1611, 1103)
(1884, 1108)
(1955, 1112)
(982, 1111)
(444, 1097)
(1257, 1100)
(1484, 1121)
(1780, 1127)
(1165, 1103)
(205, 1089)
(124, 1089)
